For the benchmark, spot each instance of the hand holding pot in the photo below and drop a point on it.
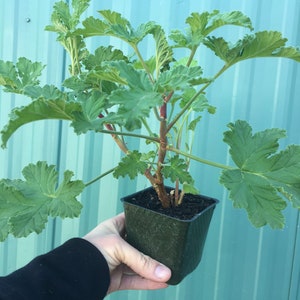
(129, 268)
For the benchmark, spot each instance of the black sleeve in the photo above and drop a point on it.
(75, 270)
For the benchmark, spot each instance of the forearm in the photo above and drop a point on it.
(75, 270)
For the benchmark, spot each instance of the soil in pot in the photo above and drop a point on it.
(190, 206)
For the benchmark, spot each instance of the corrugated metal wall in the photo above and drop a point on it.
(239, 262)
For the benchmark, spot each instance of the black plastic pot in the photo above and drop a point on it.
(176, 243)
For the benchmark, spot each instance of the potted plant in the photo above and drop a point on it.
(120, 94)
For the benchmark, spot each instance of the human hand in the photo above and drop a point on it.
(129, 268)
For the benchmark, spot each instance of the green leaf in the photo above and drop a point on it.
(11, 203)
(201, 25)
(177, 169)
(8, 74)
(133, 106)
(216, 20)
(260, 44)
(4, 229)
(103, 54)
(199, 104)
(88, 119)
(16, 77)
(255, 194)
(79, 83)
(251, 152)
(62, 19)
(64, 23)
(265, 178)
(150, 64)
(115, 25)
(163, 51)
(106, 73)
(131, 165)
(177, 77)
(26, 205)
(189, 189)
(48, 92)
(39, 109)
(193, 123)
(135, 79)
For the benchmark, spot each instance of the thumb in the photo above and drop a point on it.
(144, 265)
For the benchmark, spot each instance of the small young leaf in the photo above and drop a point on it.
(131, 165)
(8, 75)
(63, 20)
(177, 169)
(163, 52)
(189, 189)
(193, 123)
(115, 25)
(103, 54)
(16, 77)
(199, 104)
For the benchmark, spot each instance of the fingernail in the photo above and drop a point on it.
(162, 272)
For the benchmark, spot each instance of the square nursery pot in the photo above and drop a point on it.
(176, 243)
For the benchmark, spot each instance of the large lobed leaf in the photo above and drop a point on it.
(260, 44)
(39, 109)
(178, 77)
(134, 105)
(265, 178)
(201, 25)
(26, 204)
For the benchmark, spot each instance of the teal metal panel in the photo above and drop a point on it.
(239, 262)
(22, 34)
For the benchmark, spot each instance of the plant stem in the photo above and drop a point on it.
(199, 159)
(189, 103)
(138, 53)
(193, 52)
(163, 142)
(146, 137)
(99, 177)
(147, 126)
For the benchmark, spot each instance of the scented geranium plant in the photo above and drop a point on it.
(121, 94)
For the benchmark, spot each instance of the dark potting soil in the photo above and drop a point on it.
(190, 206)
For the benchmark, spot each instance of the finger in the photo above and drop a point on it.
(119, 222)
(142, 264)
(136, 282)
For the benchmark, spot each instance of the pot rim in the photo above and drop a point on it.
(211, 206)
